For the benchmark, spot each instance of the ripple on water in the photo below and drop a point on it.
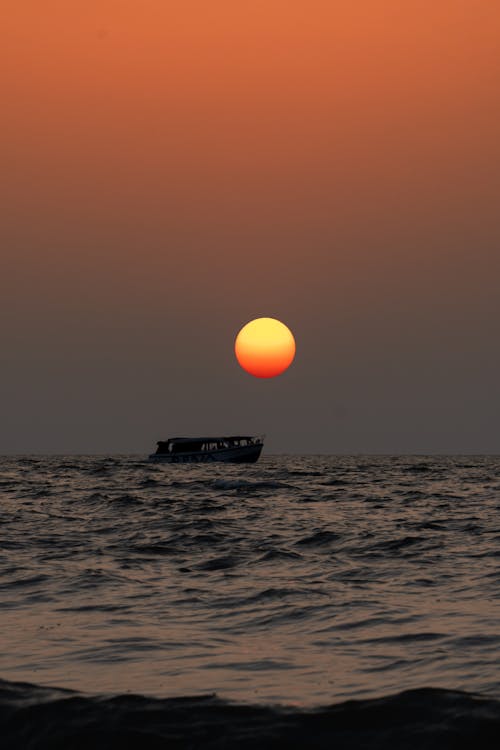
(357, 575)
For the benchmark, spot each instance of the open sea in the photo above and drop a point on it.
(301, 602)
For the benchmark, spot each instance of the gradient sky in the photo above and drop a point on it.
(173, 169)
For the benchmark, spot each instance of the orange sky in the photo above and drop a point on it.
(171, 165)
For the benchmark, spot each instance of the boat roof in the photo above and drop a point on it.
(207, 439)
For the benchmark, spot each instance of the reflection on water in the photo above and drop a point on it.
(299, 580)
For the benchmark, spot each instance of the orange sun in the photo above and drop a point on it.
(265, 347)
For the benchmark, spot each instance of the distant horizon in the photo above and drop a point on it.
(268, 454)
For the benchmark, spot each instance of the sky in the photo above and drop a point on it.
(173, 169)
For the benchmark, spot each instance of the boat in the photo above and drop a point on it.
(235, 449)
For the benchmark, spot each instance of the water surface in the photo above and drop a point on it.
(299, 580)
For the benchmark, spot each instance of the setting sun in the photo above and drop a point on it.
(265, 347)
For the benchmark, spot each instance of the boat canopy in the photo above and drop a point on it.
(209, 439)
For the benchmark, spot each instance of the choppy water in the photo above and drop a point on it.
(302, 581)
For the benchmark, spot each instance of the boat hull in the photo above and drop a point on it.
(243, 454)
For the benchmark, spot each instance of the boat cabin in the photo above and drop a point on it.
(197, 445)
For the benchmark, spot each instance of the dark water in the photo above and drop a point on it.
(300, 582)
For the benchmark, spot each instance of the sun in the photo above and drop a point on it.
(265, 347)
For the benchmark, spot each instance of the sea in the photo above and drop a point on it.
(300, 602)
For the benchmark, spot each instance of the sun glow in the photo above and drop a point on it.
(265, 347)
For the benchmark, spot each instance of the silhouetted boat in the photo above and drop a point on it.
(235, 449)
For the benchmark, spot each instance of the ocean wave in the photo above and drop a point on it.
(38, 718)
(319, 539)
(341, 587)
(249, 486)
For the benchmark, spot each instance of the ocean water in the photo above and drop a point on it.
(278, 588)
